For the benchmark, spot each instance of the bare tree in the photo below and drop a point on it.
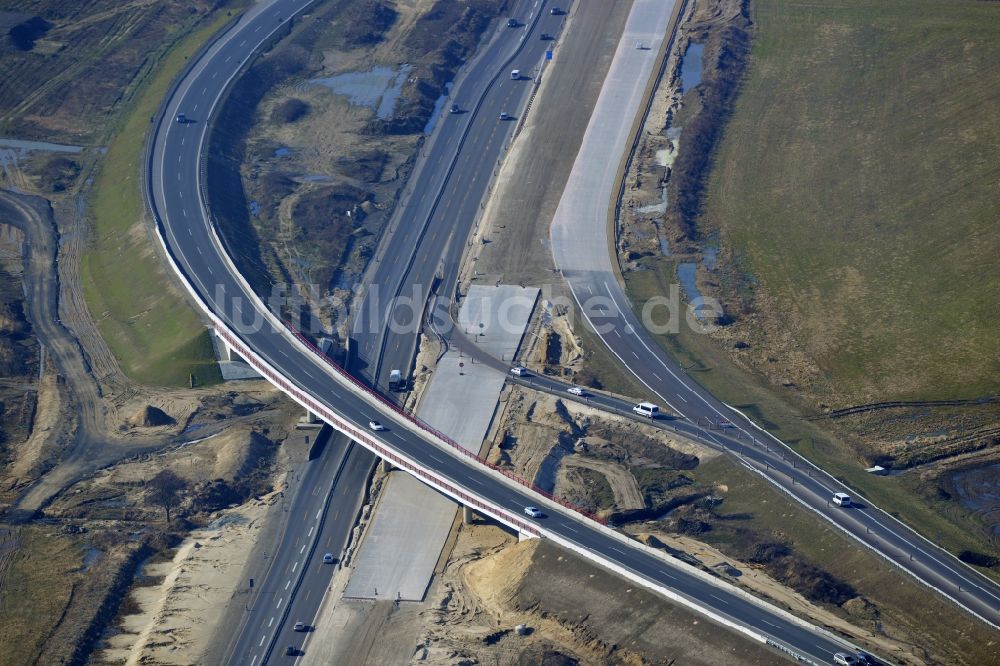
(164, 490)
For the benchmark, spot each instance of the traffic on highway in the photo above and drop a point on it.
(422, 251)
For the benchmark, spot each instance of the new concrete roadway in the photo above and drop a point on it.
(197, 254)
(580, 247)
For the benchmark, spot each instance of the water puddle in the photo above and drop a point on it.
(978, 489)
(379, 88)
(91, 557)
(17, 144)
(691, 66)
(438, 107)
(687, 273)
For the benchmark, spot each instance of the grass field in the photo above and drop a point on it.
(908, 611)
(857, 181)
(38, 582)
(145, 319)
(956, 528)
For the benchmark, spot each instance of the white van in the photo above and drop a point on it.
(842, 499)
(515, 74)
(647, 409)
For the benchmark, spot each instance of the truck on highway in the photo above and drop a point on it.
(396, 380)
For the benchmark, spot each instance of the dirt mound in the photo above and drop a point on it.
(151, 417)
(604, 612)
(237, 453)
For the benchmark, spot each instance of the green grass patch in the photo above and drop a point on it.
(908, 611)
(955, 529)
(147, 322)
(857, 182)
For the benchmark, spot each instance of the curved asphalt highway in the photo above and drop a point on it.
(174, 185)
(580, 248)
(174, 188)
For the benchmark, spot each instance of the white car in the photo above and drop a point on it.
(519, 371)
(376, 426)
(504, 115)
(533, 511)
(842, 499)
(299, 626)
(576, 390)
(844, 659)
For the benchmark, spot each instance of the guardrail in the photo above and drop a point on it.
(365, 440)
(426, 427)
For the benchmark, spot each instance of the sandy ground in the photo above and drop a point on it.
(623, 485)
(755, 580)
(49, 410)
(533, 426)
(178, 619)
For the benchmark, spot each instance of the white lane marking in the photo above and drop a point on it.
(295, 566)
(682, 397)
(261, 640)
(271, 621)
(319, 513)
(279, 602)
(572, 529)
(254, 660)
(215, 74)
(178, 160)
(769, 624)
(199, 250)
(719, 598)
(310, 532)
(228, 58)
(287, 583)
(658, 378)
(184, 210)
(195, 107)
(189, 232)
(183, 138)
(243, 42)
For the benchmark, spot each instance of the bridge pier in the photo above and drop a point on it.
(310, 420)
(385, 466)
(467, 516)
(228, 353)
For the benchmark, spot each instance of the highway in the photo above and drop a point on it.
(319, 520)
(429, 231)
(580, 248)
(194, 248)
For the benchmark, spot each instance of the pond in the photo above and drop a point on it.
(691, 66)
(379, 88)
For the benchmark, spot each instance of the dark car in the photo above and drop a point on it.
(511, 23)
(455, 108)
(555, 11)
(181, 118)
(545, 36)
(291, 651)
